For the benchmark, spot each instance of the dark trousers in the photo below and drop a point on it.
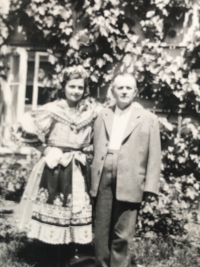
(115, 221)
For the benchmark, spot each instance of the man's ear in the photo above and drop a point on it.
(112, 91)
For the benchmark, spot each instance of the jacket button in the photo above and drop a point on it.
(106, 144)
(102, 158)
(98, 172)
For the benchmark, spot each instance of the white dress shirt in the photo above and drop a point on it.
(120, 121)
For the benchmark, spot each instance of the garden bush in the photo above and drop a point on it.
(14, 174)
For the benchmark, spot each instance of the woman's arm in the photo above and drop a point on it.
(31, 130)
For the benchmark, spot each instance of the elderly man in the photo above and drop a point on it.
(127, 159)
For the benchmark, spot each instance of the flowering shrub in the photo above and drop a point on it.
(14, 174)
(179, 193)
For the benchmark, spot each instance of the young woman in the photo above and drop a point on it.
(56, 207)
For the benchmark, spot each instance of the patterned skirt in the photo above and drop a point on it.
(52, 218)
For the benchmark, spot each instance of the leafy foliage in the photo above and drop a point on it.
(99, 34)
(14, 174)
(179, 193)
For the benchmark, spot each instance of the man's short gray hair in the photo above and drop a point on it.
(124, 74)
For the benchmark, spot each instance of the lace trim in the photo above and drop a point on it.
(52, 234)
(59, 110)
(58, 215)
(72, 125)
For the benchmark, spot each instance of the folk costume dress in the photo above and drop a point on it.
(55, 207)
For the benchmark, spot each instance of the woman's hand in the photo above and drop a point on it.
(46, 151)
(53, 156)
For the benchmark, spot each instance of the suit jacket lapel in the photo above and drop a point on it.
(108, 119)
(132, 122)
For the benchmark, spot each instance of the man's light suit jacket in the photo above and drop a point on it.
(139, 158)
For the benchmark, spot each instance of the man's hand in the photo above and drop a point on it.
(150, 197)
(88, 150)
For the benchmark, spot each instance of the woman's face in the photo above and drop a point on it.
(74, 90)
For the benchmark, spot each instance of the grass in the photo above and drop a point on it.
(33, 254)
(158, 252)
(161, 252)
(8, 256)
(18, 251)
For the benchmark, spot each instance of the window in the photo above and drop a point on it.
(37, 73)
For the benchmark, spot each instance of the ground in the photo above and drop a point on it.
(18, 251)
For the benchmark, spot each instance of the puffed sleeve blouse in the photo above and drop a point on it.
(57, 125)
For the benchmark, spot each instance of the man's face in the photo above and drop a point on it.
(124, 90)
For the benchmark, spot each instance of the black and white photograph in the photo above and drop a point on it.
(100, 133)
